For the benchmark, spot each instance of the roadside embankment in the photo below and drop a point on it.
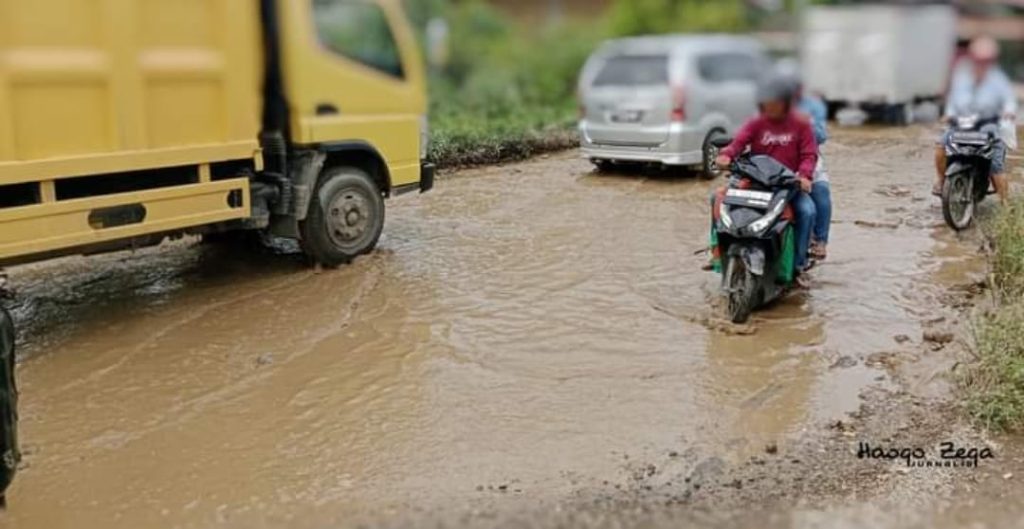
(995, 383)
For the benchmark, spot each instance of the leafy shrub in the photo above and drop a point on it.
(995, 383)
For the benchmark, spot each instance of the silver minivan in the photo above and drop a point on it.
(663, 99)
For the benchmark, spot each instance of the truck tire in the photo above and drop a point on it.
(903, 114)
(9, 454)
(346, 216)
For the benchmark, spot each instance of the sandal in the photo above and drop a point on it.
(818, 251)
(937, 191)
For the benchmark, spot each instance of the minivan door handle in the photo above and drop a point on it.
(326, 109)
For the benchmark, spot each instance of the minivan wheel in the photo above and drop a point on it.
(709, 152)
(345, 219)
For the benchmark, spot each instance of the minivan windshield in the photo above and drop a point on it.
(633, 70)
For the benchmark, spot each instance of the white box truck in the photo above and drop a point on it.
(882, 59)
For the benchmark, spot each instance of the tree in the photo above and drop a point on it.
(640, 17)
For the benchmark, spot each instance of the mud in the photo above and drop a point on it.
(531, 345)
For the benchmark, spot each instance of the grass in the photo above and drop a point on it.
(464, 140)
(995, 383)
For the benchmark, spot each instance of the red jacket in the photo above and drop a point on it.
(789, 140)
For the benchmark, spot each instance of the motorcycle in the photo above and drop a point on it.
(9, 454)
(753, 235)
(969, 152)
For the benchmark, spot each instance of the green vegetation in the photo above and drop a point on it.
(995, 383)
(507, 92)
(638, 17)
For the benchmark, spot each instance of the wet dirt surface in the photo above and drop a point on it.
(531, 345)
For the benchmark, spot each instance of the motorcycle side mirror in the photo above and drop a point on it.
(721, 141)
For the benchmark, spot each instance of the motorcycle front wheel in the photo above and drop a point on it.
(9, 455)
(740, 290)
(958, 201)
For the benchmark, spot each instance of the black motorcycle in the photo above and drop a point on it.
(754, 238)
(9, 455)
(970, 149)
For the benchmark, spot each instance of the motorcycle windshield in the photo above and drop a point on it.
(765, 171)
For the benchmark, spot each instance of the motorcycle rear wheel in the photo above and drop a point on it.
(958, 201)
(740, 290)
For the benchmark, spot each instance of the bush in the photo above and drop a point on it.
(1007, 235)
(506, 94)
(641, 17)
(995, 383)
(509, 92)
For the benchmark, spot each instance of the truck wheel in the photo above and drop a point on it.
(9, 454)
(346, 216)
(903, 114)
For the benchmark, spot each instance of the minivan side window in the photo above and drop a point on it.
(358, 30)
(633, 70)
(725, 67)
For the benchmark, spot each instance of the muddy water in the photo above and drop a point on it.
(526, 331)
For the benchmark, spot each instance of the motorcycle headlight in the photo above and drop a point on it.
(760, 225)
(723, 214)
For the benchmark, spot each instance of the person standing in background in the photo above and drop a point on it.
(816, 111)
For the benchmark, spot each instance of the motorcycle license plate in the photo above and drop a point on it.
(970, 138)
(748, 198)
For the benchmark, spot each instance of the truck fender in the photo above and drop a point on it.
(306, 171)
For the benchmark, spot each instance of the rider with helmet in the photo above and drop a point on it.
(782, 133)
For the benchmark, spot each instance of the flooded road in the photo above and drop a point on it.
(524, 333)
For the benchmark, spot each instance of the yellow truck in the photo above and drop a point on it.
(125, 121)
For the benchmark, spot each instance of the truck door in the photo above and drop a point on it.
(353, 74)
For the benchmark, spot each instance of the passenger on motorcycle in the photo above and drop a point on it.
(780, 132)
(821, 193)
(979, 87)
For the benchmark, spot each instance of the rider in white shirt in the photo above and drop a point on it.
(979, 87)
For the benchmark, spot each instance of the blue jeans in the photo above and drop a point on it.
(821, 194)
(803, 208)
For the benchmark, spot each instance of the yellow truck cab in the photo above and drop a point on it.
(125, 121)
